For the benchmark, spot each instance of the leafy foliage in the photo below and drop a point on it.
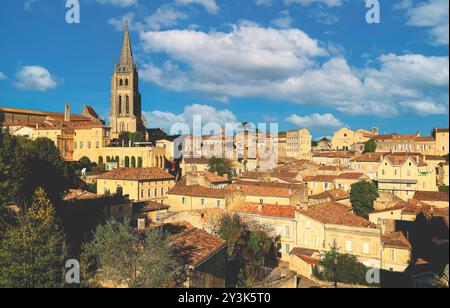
(132, 137)
(362, 196)
(343, 268)
(249, 249)
(26, 165)
(370, 146)
(220, 166)
(125, 259)
(234, 232)
(32, 253)
(258, 247)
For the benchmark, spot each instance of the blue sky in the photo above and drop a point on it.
(301, 63)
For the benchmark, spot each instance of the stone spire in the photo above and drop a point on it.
(126, 57)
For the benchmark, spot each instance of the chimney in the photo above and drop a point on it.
(67, 113)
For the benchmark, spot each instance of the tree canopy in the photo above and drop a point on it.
(28, 164)
(234, 232)
(220, 166)
(32, 253)
(362, 196)
(343, 268)
(125, 259)
(370, 146)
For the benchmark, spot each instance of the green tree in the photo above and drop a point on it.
(136, 137)
(343, 268)
(370, 146)
(258, 247)
(85, 162)
(362, 196)
(233, 231)
(14, 175)
(32, 254)
(124, 258)
(220, 166)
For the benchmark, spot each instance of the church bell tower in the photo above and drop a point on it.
(126, 109)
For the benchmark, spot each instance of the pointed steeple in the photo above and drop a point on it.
(126, 57)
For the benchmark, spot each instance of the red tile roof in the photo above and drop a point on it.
(350, 176)
(137, 174)
(370, 157)
(195, 246)
(431, 196)
(442, 130)
(396, 240)
(336, 214)
(266, 189)
(211, 177)
(306, 255)
(335, 195)
(271, 210)
(181, 189)
(320, 178)
(151, 206)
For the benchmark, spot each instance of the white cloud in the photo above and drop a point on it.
(35, 78)
(208, 115)
(210, 5)
(265, 3)
(330, 3)
(426, 108)
(2, 76)
(28, 5)
(284, 21)
(287, 65)
(119, 3)
(431, 14)
(323, 123)
(164, 17)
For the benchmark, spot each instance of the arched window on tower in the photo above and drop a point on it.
(121, 82)
(120, 105)
(127, 108)
(126, 82)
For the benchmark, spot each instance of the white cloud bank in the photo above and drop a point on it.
(431, 14)
(323, 123)
(208, 115)
(35, 78)
(251, 61)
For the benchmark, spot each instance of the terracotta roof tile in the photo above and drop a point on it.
(350, 176)
(266, 189)
(194, 246)
(335, 195)
(336, 214)
(306, 255)
(181, 189)
(370, 157)
(271, 210)
(137, 174)
(320, 178)
(211, 177)
(396, 240)
(431, 196)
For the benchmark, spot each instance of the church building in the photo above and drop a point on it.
(126, 107)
